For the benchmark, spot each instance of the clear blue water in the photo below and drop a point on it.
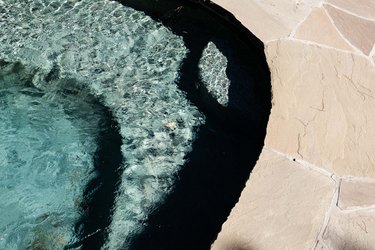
(92, 111)
(116, 55)
(46, 157)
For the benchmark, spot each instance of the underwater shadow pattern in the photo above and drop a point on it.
(100, 193)
(229, 144)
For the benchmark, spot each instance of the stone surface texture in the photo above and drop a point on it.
(364, 8)
(319, 28)
(280, 179)
(279, 16)
(360, 32)
(354, 194)
(323, 106)
(313, 186)
(352, 231)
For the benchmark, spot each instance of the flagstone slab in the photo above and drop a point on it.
(356, 194)
(282, 207)
(354, 231)
(323, 117)
(364, 8)
(271, 19)
(323, 107)
(360, 32)
(319, 28)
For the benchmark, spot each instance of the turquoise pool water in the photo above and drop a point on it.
(124, 130)
(46, 157)
(113, 54)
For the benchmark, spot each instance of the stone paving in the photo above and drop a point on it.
(313, 186)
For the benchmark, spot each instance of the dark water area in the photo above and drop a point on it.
(223, 153)
(247, 67)
(100, 193)
(228, 146)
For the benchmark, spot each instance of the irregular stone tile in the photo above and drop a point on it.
(360, 32)
(365, 8)
(350, 231)
(282, 207)
(323, 107)
(319, 28)
(354, 194)
(320, 246)
(271, 19)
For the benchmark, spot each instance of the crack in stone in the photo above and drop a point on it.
(360, 92)
(363, 227)
(322, 107)
(299, 146)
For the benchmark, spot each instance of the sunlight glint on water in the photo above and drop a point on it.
(45, 157)
(130, 63)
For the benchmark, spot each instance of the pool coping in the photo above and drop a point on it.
(312, 187)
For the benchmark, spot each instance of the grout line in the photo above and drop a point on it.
(328, 214)
(323, 171)
(308, 42)
(372, 56)
(315, 168)
(294, 30)
(335, 195)
(304, 164)
(274, 40)
(342, 36)
(372, 52)
(350, 13)
(356, 52)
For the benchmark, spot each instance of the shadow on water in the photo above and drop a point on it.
(226, 148)
(228, 145)
(99, 194)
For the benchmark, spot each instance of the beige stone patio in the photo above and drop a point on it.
(313, 186)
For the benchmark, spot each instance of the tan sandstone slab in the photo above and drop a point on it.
(323, 107)
(364, 8)
(319, 28)
(356, 194)
(282, 207)
(271, 19)
(352, 231)
(360, 32)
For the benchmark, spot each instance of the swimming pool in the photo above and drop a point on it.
(70, 72)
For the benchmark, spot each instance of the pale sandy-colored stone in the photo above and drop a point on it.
(323, 107)
(364, 8)
(352, 231)
(271, 19)
(319, 28)
(356, 194)
(323, 111)
(360, 32)
(282, 207)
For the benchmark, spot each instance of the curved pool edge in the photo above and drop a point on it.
(314, 178)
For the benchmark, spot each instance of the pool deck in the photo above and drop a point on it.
(313, 186)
